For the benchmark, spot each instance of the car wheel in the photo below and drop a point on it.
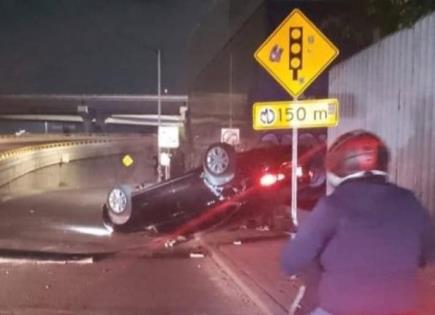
(219, 164)
(118, 205)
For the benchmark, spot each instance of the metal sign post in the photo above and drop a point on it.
(294, 189)
(295, 115)
(294, 55)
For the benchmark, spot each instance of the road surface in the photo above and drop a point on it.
(56, 211)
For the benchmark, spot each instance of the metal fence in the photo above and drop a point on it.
(389, 88)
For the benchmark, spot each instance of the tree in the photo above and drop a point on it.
(393, 15)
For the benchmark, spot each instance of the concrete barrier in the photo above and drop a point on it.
(16, 163)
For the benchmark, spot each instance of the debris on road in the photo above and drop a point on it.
(172, 242)
(197, 255)
(263, 228)
(181, 238)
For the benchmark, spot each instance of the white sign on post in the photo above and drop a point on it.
(168, 137)
(230, 136)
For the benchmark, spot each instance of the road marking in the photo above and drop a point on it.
(6, 198)
(23, 261)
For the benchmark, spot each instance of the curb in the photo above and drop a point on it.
(260, 297)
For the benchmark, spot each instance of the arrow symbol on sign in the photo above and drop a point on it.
(267, 116)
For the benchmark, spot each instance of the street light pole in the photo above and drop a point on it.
(159, 110)
(159, 88)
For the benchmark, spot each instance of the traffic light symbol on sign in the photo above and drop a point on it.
(295, 53)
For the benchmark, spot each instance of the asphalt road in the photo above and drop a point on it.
(58, 211)
(59, 208)
(122, 285)
(66, 220)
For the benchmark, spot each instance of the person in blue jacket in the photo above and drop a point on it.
(369, 236)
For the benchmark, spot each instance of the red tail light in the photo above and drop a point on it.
(268, 179)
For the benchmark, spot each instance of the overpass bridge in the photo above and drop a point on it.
(95, 110)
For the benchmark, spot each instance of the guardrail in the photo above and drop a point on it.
(18, 162)
(56, 136)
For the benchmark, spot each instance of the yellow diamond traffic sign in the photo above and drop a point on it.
(296, 114)
(296, 53)
(127, 160)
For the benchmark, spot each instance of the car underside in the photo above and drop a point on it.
(249, 183)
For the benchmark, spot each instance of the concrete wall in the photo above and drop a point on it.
(98, 172)
(16, 163)
(389, 89)
(214, 111)
(218, 95)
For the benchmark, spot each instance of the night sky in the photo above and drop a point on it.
(108, 46)
(95, 47)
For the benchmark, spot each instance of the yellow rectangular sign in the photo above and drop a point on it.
(296, 114)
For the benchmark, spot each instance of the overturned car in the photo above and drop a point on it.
(228, 182)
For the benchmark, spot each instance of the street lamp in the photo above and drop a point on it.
(159, 112)
(159, 105)
(159, 88)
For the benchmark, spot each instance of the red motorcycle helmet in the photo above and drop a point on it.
(357, 153)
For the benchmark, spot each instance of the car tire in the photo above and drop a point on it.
(119, 206)
(219, 164)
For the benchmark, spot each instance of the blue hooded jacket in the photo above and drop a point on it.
(370, 237)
